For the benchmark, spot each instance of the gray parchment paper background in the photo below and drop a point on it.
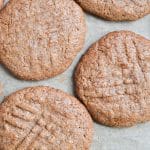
(105, 138)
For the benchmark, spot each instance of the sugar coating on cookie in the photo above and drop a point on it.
(40, 38)
(113, 79)
(44, 118)
(117, 10)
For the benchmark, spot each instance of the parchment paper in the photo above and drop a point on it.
(105, 138)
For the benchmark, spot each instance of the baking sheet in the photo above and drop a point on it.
(105, 138)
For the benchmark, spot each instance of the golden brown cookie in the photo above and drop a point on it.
(40, 38)
(117, 10)
(113, 79)
(44, 118)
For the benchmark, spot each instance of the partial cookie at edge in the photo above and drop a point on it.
(1, 4)
(41, 117)
(117, 10)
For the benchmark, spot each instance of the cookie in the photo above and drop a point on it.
(117, 10)
(113, 79)
(40, 38)
(44, 118)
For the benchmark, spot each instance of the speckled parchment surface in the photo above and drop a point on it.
(105, 138)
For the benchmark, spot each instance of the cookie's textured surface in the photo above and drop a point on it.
(40, 38)
(117, 10)
(44, 118)
(113, 79)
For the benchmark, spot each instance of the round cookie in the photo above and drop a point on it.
(44, 118)
(117, 10)
(40, 38)
(113, 79)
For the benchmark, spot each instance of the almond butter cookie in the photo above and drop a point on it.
(113, 79)
(40, 38)
(44, 118)
(117, 10)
